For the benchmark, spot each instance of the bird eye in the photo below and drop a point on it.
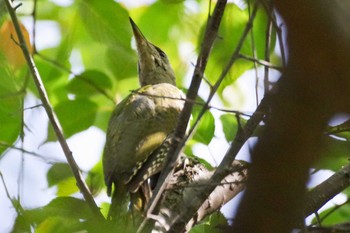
(161, 53)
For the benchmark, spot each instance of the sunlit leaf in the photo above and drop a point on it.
(229, 126)
(342, 130)
(108, 23)
(21, 224)
(67, 187)
(60, 174)
(68, 206)
(57, 173)
(331, 217)
(212, 224)
(8, 46)
(206, 127)
(53, 224)
(230, 33)
(121, 62)
(76, 115)
(335, 154)
(90, 82)
(259, 34)
(10, 109)
(95, 179)
(164, 23)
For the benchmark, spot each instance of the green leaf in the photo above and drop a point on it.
(10, 109)
(67, 187)
(107, 22)
(21, 224)
(206, 127)
(341, 130)
(335, 154)
(229, 126)
(230, 32)
(60, 174)
(164, 22)
(212, 224)
(55, 82)
(259, 33)
(57, 173)
(339, 216)
(66, 207)
(55, 225)
(202, 161)
(95, 179)
(61, 215)
(104, 207)
(89, 83)
(76, 115)
(122, 62)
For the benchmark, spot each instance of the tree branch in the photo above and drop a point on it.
(328, 189)
(224, 168)
(184, 184)
(177, 145)
(232, 60)
(52, 116)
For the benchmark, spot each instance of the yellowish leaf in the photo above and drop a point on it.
(8, 46)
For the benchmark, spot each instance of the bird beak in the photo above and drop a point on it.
(141, 41)
(145, 49)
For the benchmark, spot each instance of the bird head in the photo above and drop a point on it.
(153, 66)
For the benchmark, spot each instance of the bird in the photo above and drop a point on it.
(142, 125)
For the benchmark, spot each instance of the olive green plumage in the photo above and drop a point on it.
(142, 121)
(138, 126)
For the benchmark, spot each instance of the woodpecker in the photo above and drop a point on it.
(140, 128)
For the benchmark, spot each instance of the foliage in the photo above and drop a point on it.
(99, 32)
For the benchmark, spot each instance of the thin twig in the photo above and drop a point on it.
(267, 52)
(232, 60)
(335, 208)
(15, 204)
(328, 188)
(225, 165)
(84, 189)
(32, 107)
(281, 43)
(20, 177)
(319, 223)
(278, 28)
(205, 185)
(37, 155)
(261, 62)
(34, 25)
(197, 103)
(254, 59)
(80, 77)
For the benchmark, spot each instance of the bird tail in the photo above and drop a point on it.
(125, 211)
(119, 204)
